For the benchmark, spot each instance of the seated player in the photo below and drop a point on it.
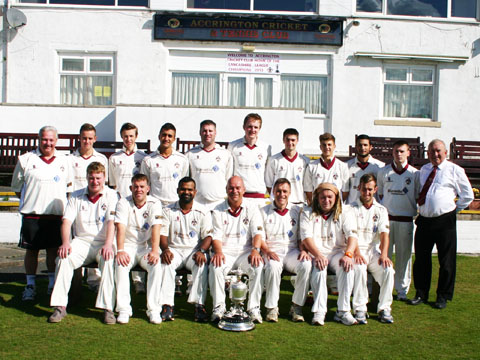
(281, 249)
(185, 239)
(330, 235)
(138, 220)
(372, 252)
(91, 211)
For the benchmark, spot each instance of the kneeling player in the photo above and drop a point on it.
(373, 224)
(330, 235)
(185, 239)
(138, 219)
(91, 211)
(281, 249)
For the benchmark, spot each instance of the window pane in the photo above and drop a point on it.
(304, 93)
(219, 4)
(99, 90)
(195, 89)
(34, 1)
(104, 65)
(464, 8)
(422, 75)
(72, 65)
(132, 3)
(396, 74)
(72, 89)
(236, 91)
(408, 101)
(263, 92)
(369, 5)
(435, 8)
(286, 5)
(83, 2)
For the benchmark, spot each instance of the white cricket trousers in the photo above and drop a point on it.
(184, 258)
(216, 278)
(84, 253)
(383, 276)
(401, 234)
(318, 282)
(273, 277)
(138, 255)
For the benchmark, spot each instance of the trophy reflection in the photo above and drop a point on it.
(236, 319)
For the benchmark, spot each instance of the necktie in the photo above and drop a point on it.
(426, 186)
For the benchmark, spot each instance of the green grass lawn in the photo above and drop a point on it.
(419, 332)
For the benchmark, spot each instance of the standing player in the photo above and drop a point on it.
(165, 167)
(371, 253)
(397, 189)
(91, 212)
(42, 176)
(282, 248)
(362, 164)
(250, 156)
(185, 240)
(330, 235)
(288, 164)
(237, 237)
(121, 167)
(327, 168)
(210, 166)
(138, 220)
(79, 161)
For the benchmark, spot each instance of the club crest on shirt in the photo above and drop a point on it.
(218, 158)
(104, 207)
(157, 165)
(62, 168)
(335, 176)
(225, 222)
(375, 217)
(76, 164)
(281, 168)
(145, 214)
(408, 181)
(120, 162)
(178, 218)
(245, 221)
(293, 222)
(194, 222)
(34, 166)
(177, 165)
(239, 153)
(137, 164)
(260, 156)
(198, 157)
(300, 169)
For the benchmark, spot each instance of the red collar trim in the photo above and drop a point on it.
(94, 199)
(139, 207)
(86, 158)
(363, 166)
(326, 216)
(325, 165)
(235, 213)
(250, 147)
(369, 206)
(185, 212)
(399, 172)
(281, 212)
(291, 159)
(47, 161)
(128, 153)
(208, 151)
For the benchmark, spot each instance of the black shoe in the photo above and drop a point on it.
(417, 300)
(441, 303)
(167, 313)
(200, 313)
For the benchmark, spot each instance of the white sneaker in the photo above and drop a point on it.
(345, 317)
(255, 315)
(385, 317)
(29, 293)
(272, 315)
(296, 313)
(318, 318)
(123, 317)
(155, 318)
(217, 313)
(361, 317)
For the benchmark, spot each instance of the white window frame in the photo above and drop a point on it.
(249, 87)
(409, 81)
(251, 10)
(449, 16)
(86, 57)
(47, 2)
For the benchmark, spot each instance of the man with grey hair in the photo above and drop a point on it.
(40, 179)
(440, 182)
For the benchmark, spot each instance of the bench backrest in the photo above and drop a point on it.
(460, 149)
(184, 145)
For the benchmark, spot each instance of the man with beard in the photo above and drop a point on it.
(185, 239)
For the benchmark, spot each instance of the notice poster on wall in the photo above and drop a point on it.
(253, 63)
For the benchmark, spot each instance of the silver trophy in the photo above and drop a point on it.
(236, 319)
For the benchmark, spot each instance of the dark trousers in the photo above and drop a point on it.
(442, 232)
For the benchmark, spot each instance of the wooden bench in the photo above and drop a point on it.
(467, 155)
(382, 149)
(184, 145)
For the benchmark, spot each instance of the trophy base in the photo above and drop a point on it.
(236, 323)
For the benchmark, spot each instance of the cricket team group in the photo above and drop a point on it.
(207, 211)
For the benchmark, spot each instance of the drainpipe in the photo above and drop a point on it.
(5, 31)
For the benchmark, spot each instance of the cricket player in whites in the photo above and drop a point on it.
(138, 221)
(185, 240)
(371, 253)
(236, 241)
(398, 191)
(282, 248)
(121, 167)
(91, 212)
(330, 235)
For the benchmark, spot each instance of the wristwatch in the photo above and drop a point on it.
(202, 251)
(256, 248)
